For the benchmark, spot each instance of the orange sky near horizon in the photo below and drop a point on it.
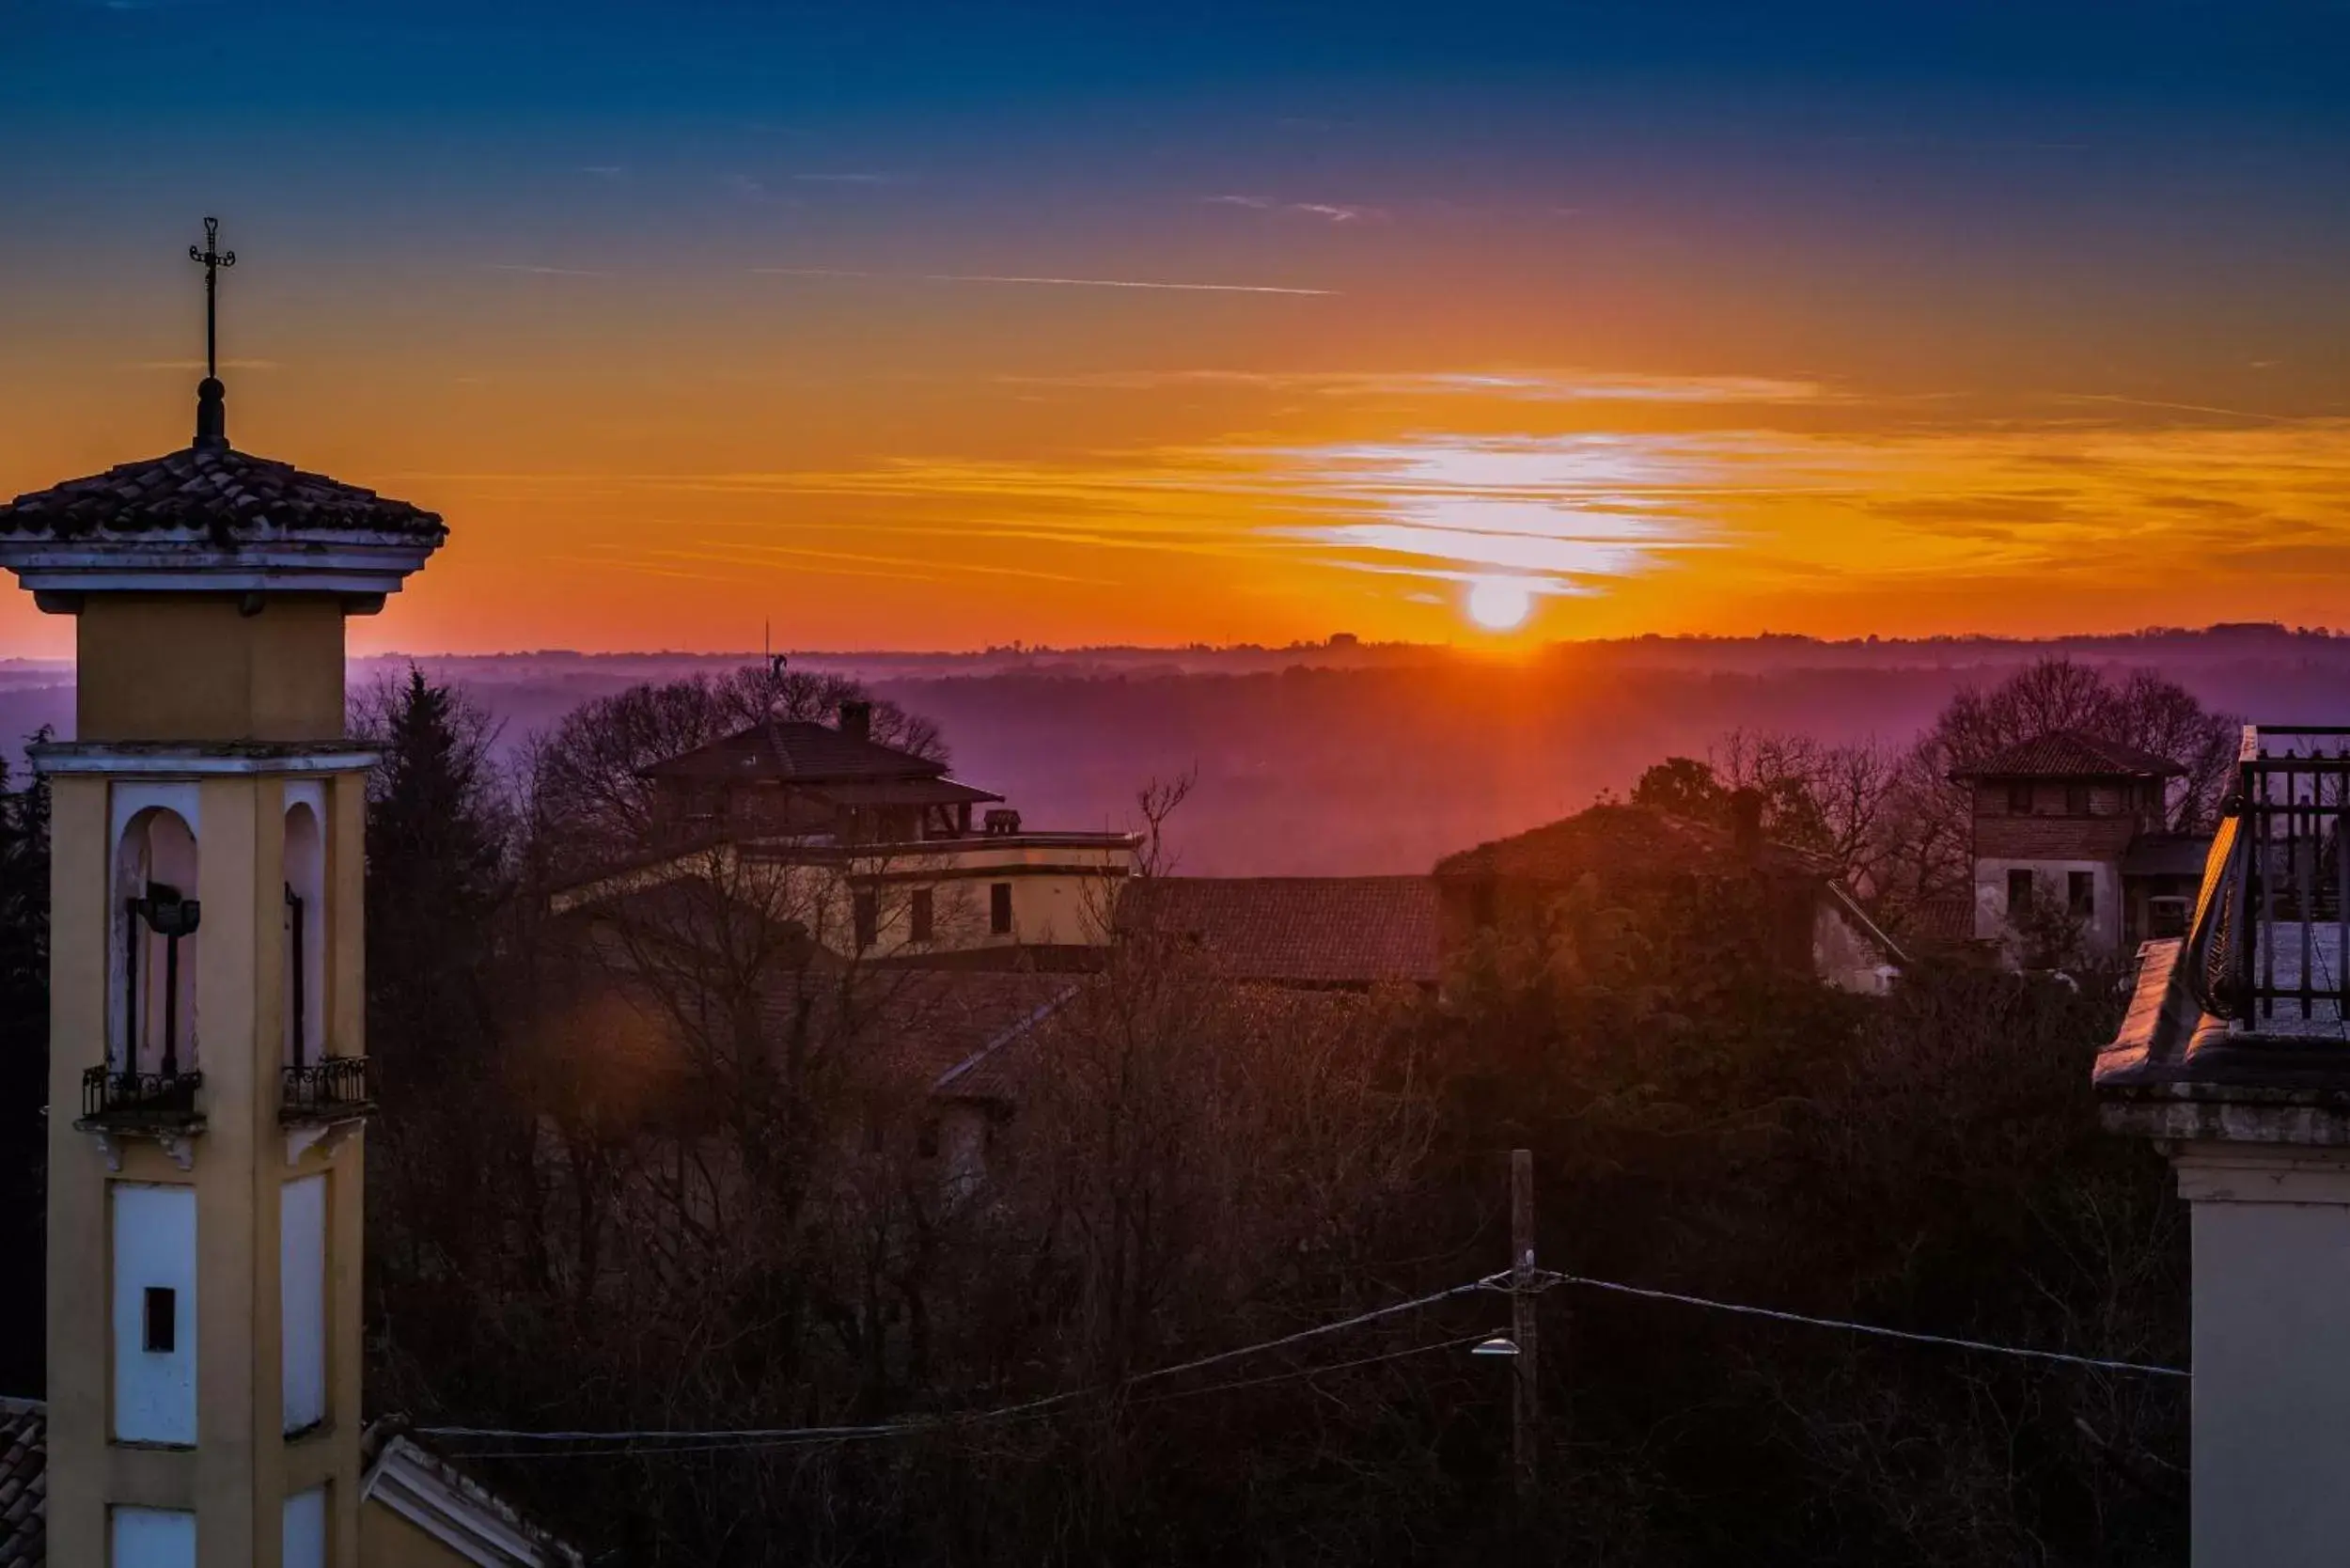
(1065, 327)
(626, 508)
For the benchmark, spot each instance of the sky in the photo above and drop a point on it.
(945, 325)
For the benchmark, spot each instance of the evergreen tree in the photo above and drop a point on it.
(435, 847)
(24, 1064)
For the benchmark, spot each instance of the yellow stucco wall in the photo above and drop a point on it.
(388, 1541)
(242, 1468)
(194, 667)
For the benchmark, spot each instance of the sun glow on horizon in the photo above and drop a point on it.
(1499, 603)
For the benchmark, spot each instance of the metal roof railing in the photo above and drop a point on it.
(2272, 925)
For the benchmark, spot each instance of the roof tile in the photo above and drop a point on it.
(1296, 931)
(2069, 754)
(24, 1484)
(228, 495)
(799, 750)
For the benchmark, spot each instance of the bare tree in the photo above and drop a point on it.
(587, 797)
(1156, 802)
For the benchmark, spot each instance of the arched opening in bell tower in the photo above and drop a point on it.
(156, 918)
(305, 936)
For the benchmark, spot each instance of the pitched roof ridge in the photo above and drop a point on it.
(2045, 753)
(1005, 1036)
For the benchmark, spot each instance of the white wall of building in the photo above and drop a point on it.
(2271, 1445)
(151, 1538)
(2103, 930)
(301, 1299)
(154, 1248)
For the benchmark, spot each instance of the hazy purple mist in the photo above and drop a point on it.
(1378, 759)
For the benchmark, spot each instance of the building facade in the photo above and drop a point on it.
(2071, 845)
(209, 1076)
(872, 850)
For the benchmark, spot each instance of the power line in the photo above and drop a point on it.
(817, 1436)
(1551, 1277)
(754, 1435)
(674, 1440)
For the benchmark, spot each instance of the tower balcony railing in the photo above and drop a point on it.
(2272, 925)
(332, 1089)
(129, 1101)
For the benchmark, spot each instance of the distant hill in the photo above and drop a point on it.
(1363, 758)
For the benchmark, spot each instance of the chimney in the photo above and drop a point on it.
(856, 720)
(1746, 824)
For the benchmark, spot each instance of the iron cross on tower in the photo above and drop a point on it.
(211, 257)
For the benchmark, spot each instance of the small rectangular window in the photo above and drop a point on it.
(2077, 800)
(2019, 800)
(867, 912)
(922, 916)
(2167, 917)
(2018, 892)
(2081, 893)
(999, 908)
(161, 1322)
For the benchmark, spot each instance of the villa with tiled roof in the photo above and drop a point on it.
(2078, 824)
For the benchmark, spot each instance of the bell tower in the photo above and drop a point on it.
(209, 1081)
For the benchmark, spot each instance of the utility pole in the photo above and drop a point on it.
(1524, 1408)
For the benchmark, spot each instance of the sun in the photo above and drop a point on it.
(1499, 603)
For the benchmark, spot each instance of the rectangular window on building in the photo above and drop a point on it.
(999, 908)
(868, 917)
(301, 1534)
(153, 1320)
(2018, 892)
(150, 1537)
(2165, 917)
(2019, 800)
(302, 1301)
(2080, 894)
(2077, 800)
(921, 914)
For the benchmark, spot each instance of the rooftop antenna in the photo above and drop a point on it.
(775, 663)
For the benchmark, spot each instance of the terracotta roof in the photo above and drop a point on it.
(2069, 754)
(1941, 920)
(23, 1483)
(227, 495)
(904, 792)
(1641, 840)
(951, 1031)
(798, 751)
(1296, 931)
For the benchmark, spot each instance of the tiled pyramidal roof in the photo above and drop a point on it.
(227, 495)
(2069, 754)
(24, 1484)
(800, 750)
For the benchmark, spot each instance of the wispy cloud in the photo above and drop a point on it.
(1329, 212)
(1563, 385)
(1045, 282)
(531, 270)
(851, 178)
(603, 171)
(198, 364)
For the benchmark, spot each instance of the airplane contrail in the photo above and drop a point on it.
(1062, 282)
